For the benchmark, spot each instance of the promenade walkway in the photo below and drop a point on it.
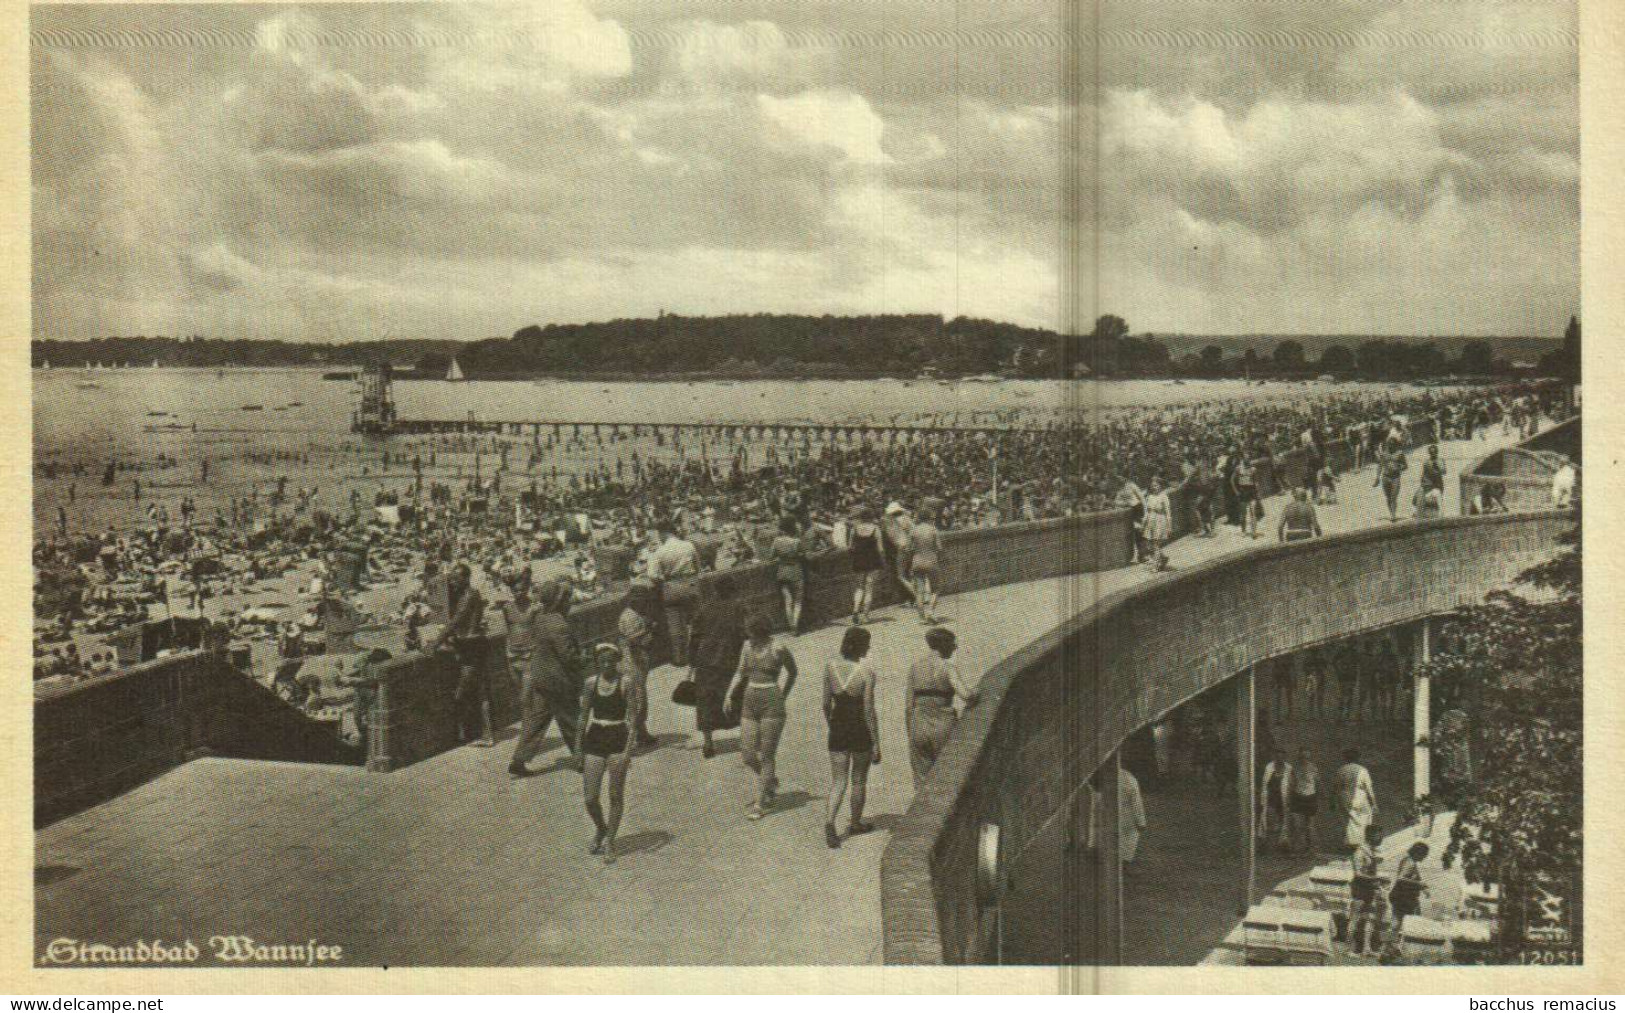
(449, 862)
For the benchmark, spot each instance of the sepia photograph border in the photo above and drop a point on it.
(1602, 136)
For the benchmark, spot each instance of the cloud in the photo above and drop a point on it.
(754, 53)
(526, 48)
(1282, 159)
(823, 123)
(1338, 166)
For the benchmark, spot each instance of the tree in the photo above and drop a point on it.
(1288, 356)
(1376, 357)
(1110, 329)
(433, 364)
(1336, 360)
(1515, 665)
(1477, 358)
(1565, 360)
(1212, 359)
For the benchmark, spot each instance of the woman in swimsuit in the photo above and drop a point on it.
(927, 545)
(934, 683)
(761, 717)
(610, 705)
(1246, 483)
(854, 730)
(1159, 523)
(789, 558)
(867, 563)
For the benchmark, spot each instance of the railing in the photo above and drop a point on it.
(1054, 711)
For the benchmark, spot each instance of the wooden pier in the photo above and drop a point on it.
(752, 430)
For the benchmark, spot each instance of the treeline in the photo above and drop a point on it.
(223, 352)
(1376, 357)
(902, 345)
(785, 345)
(1381, 358)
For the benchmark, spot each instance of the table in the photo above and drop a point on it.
(1332, 884)
(1279, 935)
(1424, 941)
(1472, 941)
(1481, 901)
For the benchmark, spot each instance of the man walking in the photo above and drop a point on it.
(676, 559)
(638, 630)
(897, 540)
(550, 688)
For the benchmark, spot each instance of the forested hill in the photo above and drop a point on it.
(765, 343)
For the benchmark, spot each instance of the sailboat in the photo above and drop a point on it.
(87, 383)
(455, 373)
(155, 364)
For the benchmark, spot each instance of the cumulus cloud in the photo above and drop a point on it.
(526, 47)
(826, 122)
(1282, 159)
(1361, 169)
(754, 53)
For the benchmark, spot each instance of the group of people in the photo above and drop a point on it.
(1346, 683)
(1288, 806)
(736, 674)
(729, 487)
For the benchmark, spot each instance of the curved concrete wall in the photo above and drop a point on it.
(1525, 471)
(1053, 712)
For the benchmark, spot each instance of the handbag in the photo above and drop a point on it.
(685, 693)
(734, 711)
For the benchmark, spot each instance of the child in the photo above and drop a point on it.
(1405, 896)
(1365, 914)
(1328, 486)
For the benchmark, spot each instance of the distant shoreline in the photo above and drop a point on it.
(713, 376)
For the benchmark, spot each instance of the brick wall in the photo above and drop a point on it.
(105, 736)
(1056, 709)
(99, 738)
(415, 712)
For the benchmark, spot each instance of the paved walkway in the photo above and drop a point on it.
(449, 862)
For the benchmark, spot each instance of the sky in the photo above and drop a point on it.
(459, 170)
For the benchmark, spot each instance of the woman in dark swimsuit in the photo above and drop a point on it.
(867, 563)
(854, 730)
(610, 705)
